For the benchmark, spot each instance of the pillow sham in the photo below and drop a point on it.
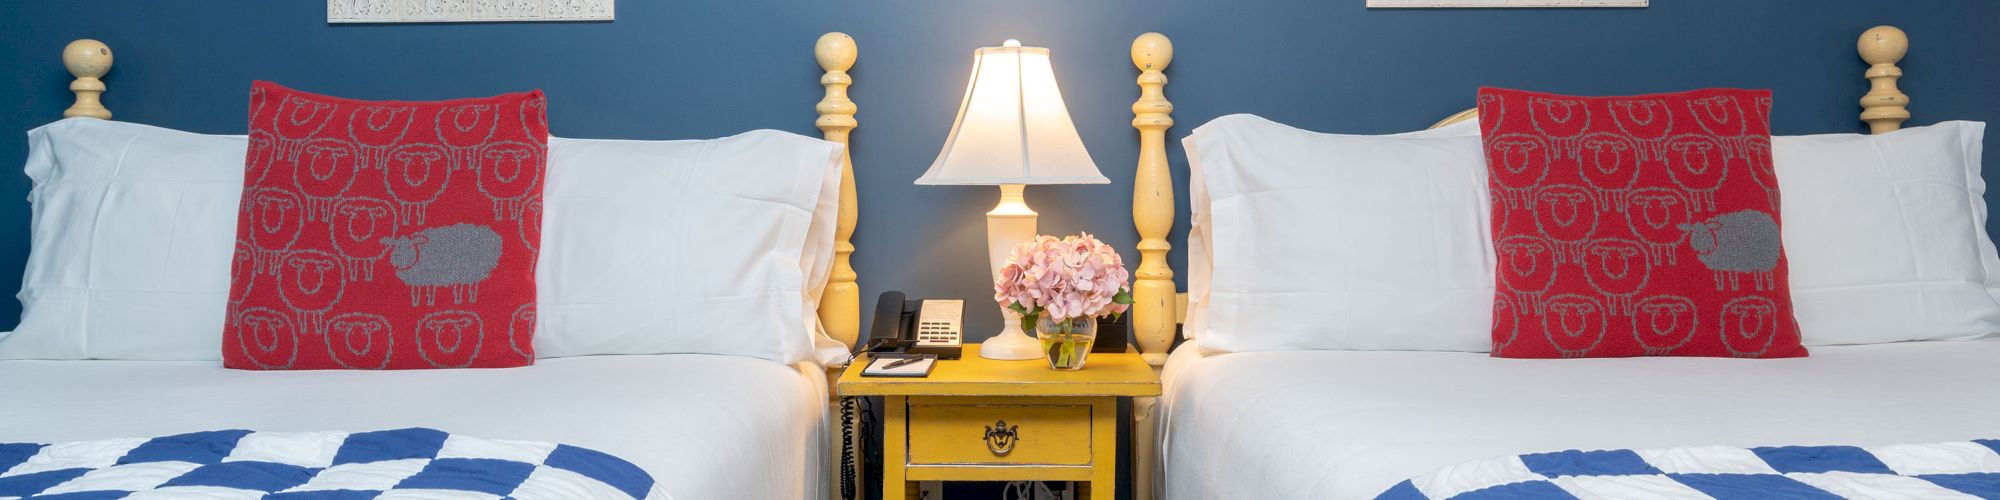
(129, 247)
(1303, 240)
(718, 246)
(371, 233)
(1887, 235)
(153, 210)
(1636, 226)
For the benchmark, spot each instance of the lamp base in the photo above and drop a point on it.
(1011, 345)
(1010, 223)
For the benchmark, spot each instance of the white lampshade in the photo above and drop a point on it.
(1012, 127)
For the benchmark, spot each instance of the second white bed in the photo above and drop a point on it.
(1349, 424)
(704, 426)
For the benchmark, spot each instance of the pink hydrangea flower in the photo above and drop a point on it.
(1064, 278)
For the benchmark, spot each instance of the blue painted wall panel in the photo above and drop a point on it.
(708, 68)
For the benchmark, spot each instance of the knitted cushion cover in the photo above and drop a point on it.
(387, 235)
(1636, 226)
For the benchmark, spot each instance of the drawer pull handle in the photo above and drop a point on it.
(1000, 437)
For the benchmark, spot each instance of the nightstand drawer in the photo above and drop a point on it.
(943, 433)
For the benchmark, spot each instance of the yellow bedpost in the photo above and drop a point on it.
(1153, 201)
(1153, 294)
(1885, 107)
(87, 60)
(840, 304)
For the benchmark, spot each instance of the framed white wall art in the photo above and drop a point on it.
(466, 11)
(1502, 3)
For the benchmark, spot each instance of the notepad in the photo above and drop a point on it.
(879, 367)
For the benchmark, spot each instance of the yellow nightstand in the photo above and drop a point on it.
(977, 419)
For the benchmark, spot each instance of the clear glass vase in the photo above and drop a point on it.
(1067, 341)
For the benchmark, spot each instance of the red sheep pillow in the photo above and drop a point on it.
(1636, 226)
(386, 235)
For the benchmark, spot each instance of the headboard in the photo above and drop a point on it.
(840, 305)
(1157, 308)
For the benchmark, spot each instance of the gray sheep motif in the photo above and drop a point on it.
(458, 256)
(1735, 243)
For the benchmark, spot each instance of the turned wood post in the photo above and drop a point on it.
(1885, 108)
(87, 60)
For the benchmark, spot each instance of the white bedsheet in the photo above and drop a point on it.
(704, 426)
(1349, 424)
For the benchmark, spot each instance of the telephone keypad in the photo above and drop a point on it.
(934, 331)
(938, 322)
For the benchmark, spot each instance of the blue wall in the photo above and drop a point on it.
(706, 68)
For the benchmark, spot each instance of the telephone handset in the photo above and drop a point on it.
(928, 326)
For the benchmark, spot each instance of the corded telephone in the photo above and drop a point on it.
(928, 326)
(931, 326)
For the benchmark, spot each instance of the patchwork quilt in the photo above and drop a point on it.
(239, 464)
(1968, 469)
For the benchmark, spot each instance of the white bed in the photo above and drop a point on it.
(1285, 419)
(704, 426)
(1349, 424)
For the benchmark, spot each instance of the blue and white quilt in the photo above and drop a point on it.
(238, 464)
(1969, 469)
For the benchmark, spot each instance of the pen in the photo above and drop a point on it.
(901, 362)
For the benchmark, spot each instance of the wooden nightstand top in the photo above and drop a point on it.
(1105, 374)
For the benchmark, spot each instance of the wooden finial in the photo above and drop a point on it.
(88, 60)
(1153, 297)
(1152, 52)
(1885, 107)
(840, 304)
(835, 51)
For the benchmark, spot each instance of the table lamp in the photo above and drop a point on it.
(1012, 130)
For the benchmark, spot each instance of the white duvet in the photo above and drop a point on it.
(704, 426)
(1350, 424)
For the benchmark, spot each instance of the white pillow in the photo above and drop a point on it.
(132, 232)
(1886, 235)
(1304, 240)
(719, 246)
(716, 246)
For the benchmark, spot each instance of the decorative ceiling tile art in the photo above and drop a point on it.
(466, 11)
